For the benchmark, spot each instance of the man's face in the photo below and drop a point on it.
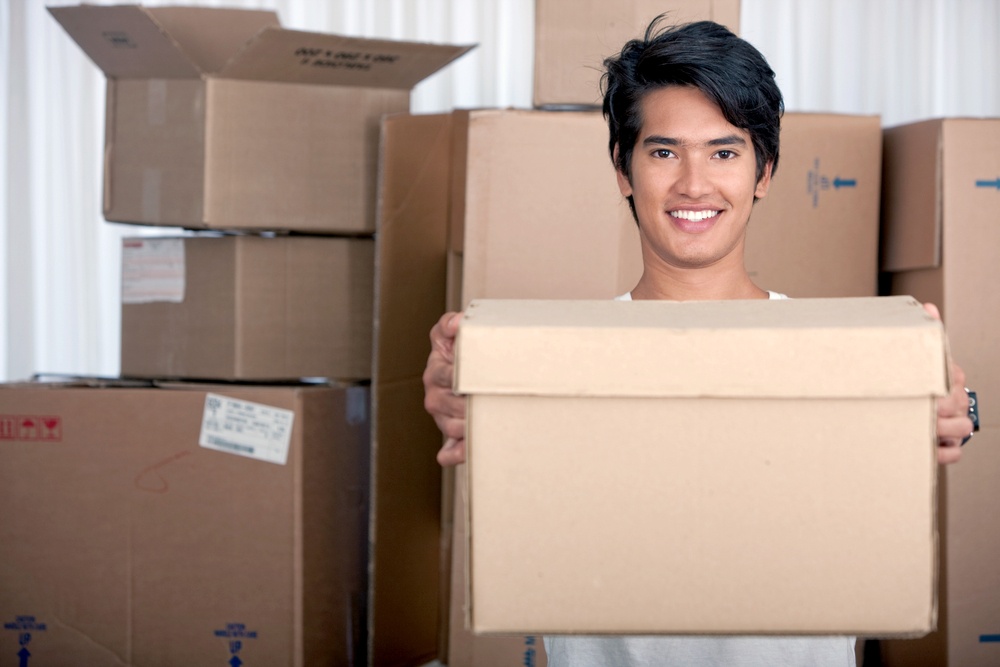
(693, 180)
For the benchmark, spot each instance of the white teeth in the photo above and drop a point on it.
(694, 216)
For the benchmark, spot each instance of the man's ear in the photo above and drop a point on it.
(764, 184)
(624, 183)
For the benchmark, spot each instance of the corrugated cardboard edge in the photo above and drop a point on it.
(897, 254)
(402, 373)
(109, 145)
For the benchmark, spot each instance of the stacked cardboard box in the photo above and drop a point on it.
(271, 543)
(185, 524)
(941, 189)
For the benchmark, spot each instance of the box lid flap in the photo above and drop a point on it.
(795, 348)
(125, 41)
(210, 36)
(308, 57)
(911, 202)
(130, 41)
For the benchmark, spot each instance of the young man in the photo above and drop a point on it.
(694, 118)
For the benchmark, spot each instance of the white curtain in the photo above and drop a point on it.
(59, 312)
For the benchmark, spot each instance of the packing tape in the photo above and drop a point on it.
(152, 185)
(357, 405)
(156, 102)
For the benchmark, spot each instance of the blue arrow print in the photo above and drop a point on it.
(23, 654)
(839, 182)
(988, 184)
(235, 661)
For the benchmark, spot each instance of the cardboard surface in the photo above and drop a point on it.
(572, 39)
(248, 308)
(124, 541)
(960, 182)
(660, 532)
(407, 577)
(816, 234)
(559, 229)
(220, 119)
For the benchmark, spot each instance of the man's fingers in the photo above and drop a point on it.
(451, 427)
(950, 453)
(443, 335)
(932, 310)
(953, 428)
(452, 453)
(438, 373)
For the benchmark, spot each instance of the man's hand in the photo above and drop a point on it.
(953, 422)
(440, 401)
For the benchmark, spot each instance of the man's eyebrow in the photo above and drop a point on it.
(728, 140)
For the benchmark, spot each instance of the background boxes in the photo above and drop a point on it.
(132, 544)
(644, 436)
(572, 39)
(247, 307)
(940, 244)
(535, 208)
(816, 232)
(218, 118)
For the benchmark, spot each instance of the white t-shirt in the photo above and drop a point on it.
(699, 651)
(627, 296)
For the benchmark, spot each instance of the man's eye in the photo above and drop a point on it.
(726, 155)
(662, 152)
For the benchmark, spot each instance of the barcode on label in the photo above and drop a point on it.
(255, 430)
(220, 442)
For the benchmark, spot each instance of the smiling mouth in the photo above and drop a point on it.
(694, 216)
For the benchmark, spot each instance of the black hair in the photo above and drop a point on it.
(705, 55)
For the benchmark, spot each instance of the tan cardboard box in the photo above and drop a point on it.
(572, 39)
(816, 233)
(941, 191)
(702, 467)
(184, 525)
(535, 209)
(405, 586)
(219, 118)
(247, 307)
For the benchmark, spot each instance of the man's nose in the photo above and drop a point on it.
(694, 179)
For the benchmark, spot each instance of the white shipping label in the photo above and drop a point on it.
(153, 270)
(249, 429)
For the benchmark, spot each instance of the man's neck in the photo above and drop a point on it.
(703, 284)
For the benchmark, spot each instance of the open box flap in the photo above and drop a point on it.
(135, 42)
(307, 57)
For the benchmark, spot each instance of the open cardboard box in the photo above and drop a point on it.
(733, 467)
(220, 118)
